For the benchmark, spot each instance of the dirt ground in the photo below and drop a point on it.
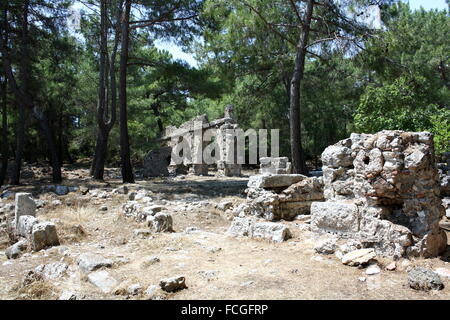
(215, 265)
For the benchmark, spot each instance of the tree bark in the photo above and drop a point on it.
(105, 107)
(4, 145)
(127, 170)
(297, 155)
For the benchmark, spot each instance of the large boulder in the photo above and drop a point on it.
(424, 279)
(156, 162)
(44, 235)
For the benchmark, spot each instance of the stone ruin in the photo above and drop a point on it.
(160, 162)
(276, 194)
(382, 190)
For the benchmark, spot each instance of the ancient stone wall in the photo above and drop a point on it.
(383, 190)
(192, 161)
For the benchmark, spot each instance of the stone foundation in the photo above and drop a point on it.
(280, 196)
(383, 190)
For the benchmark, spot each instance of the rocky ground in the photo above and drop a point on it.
(106, 255)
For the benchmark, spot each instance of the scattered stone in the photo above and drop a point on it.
(151, 290)
(104, 208)
(150, 261)
(247, 283)
(443, 272)
(68, 295)
(362, 279)
(134, 289)
(24, 206)
(16, 250)
(209, 274)
(225, 205)
(142, 233)
(161, 222)
(90, 262)
(173, 284)
(391, 266)
(44, 235)
(52, 270)
(102, 280)
(424, 279)
(25, 225)
(326, 246)
(56, 203)
(373, 269)
(359, 257)
(249, 227)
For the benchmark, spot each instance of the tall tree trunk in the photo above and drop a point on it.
(4, 145)
(127, 170)
(298, 159)
(24, 71)
(20, 141)
(105, 106)
(47, 131)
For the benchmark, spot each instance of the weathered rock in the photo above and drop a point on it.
(16, 250)
(225, 205)
(142, 233)
(391, 266)
(52, 270)
(278, 165)
(68, 295)
(156, 162)
(44, 235)
(102, 280)
(90, 262)
(382, 189)
(173, 284)
(25, 225)
(334, 217)
(359, 257)
(134, 289)
(443, 272)
(326, 246)
(161, 222)
(249, 227)
(24, 206)
(274, 181)
(373, 269)
(424, 279)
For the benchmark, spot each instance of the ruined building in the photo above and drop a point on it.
(191, 136)
(383, 190)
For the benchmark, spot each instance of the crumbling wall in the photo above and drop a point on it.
(383, 190)
(279, 196)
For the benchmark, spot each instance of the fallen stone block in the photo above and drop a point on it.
(274, 181)
(359, 257)
(334, 217)
(161, 222)
(16, 250)
(102, 280)
(90, 262)
(44, 235)
(249, 227)
(52, 270)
